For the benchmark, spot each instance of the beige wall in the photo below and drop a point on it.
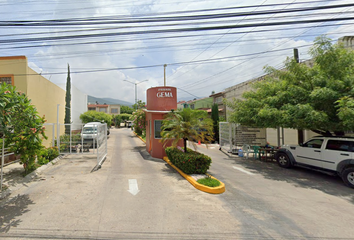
(113, 106)
(45, 95)
(16, 66)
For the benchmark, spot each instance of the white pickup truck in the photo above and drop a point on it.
(330, 154)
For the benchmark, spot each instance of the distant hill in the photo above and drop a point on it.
(92, 100)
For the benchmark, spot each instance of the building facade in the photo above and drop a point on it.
(113, 109)
(44, 95)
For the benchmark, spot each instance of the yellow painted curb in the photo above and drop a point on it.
(201, 187)
(139, 137)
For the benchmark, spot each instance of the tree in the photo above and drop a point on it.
(67, 118)
(215, 118)
(120, 118)
(20, 125)
(93, 116)
(187, 124)
(320, 98)
(126, 109)
(139, 105)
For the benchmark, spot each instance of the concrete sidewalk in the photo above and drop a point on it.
(14, 179)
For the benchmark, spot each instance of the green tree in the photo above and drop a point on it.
(93, 116)
(126, 109)
(119, 118)
(215, 118)
(139, 105)
(187, 124)
(318, 98)
(20, 125)
(67, 118)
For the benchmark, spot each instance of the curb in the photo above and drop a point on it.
(139, 137)
(214, 190)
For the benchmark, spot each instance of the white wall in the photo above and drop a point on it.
(78, 106)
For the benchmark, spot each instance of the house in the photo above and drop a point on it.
(218, 99)
(113, 109)
(201, 104)
(47, 97)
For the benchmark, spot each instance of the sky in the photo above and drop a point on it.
(114, 45)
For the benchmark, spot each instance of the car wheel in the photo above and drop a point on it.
(348, 177)
(283, 160)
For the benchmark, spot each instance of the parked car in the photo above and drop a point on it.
(330, 154)
(90, 134)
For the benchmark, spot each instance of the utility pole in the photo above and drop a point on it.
(300, 132)
(164, 75)
(136, 91)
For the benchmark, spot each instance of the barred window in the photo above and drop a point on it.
(7, 80)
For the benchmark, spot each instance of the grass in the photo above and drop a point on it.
(210, 182)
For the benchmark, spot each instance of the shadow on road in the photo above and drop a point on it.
(11, 210)
(299, 177)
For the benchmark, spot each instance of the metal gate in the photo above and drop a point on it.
(78, 139)
(233, 136)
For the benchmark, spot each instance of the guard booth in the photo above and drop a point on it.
(160, 101)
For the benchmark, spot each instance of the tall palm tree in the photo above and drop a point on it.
(187, 124)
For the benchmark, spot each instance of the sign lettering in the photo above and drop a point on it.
(164, 94)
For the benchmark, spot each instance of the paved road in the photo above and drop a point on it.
(69, 202)
(275, 203)
(262, 201)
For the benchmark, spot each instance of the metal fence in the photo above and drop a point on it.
(233, 136)
(80, 139)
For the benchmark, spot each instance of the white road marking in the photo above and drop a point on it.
(243, 170)
(133, 187)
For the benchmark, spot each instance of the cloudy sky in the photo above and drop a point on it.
(208, 45)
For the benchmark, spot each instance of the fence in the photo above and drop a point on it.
(81, 139)
(234, 136)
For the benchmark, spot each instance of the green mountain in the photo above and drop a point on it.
(93, 100)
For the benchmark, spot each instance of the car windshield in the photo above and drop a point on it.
(89, 130)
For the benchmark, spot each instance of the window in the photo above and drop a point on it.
(314, 143)
(158, 125)
(92, 109)
(103, 110)
(218, 100)
(6, 79)
(338, 145)
(192, 106)
(114, 110)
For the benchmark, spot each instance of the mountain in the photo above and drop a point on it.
(92, 100)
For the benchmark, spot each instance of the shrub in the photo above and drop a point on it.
(47, 154)
(191, 162)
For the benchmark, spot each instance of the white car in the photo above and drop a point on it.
(331, 154)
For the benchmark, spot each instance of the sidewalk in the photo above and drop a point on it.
(14, 180)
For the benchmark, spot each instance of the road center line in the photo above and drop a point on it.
(243, 170)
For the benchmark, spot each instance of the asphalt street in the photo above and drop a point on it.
(134, 196)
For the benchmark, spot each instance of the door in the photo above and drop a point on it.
(310, 153)
(335, 152)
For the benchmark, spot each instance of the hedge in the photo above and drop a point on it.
(191, 162)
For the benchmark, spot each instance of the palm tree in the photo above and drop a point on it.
(187, 124)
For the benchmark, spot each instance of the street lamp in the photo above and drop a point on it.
(136, 93)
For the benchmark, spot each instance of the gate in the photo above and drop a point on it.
(233, 136)
(78, 139)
